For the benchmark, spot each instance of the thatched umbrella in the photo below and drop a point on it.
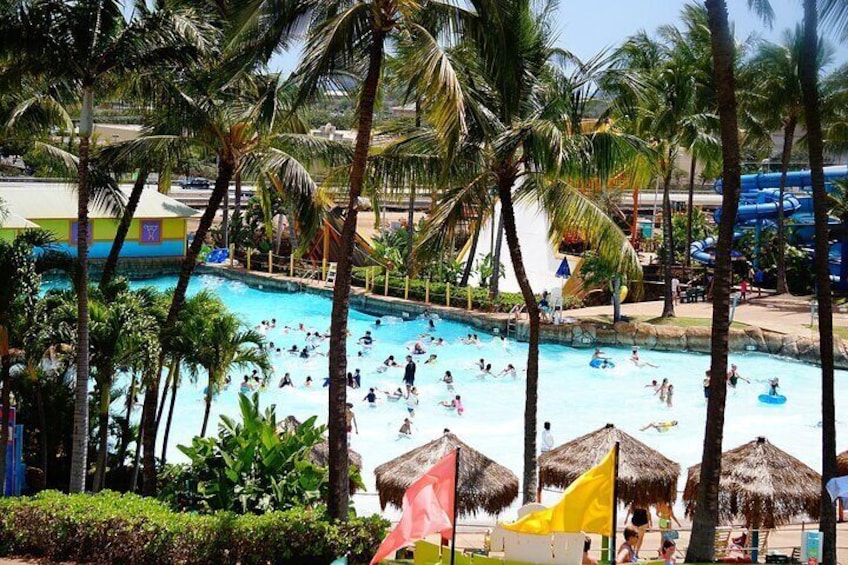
(761, 483)
(645, 476)
(483, 484)
(320, 452)
(842, 463)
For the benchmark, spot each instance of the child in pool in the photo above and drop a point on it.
(405, 431)
(455, 404)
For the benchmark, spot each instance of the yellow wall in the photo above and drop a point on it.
(104, 229)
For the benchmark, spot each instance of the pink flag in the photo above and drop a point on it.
(427, 508)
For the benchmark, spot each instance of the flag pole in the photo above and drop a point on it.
(455, 506)
(614, 504)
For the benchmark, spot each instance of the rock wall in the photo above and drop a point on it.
(674, 338)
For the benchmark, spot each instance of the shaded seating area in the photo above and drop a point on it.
(761, 486)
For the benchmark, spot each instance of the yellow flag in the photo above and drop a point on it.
(586, 505)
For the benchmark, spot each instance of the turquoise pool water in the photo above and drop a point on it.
(575, 398)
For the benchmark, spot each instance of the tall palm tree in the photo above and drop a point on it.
(809, 78)
(351, 39)
(178, 344)
(19, 287)
(702, 545)
(656, 92)
(85, 47)
(692, 45)
(123, 334)
(246, 123)
(224, 344)
(525, 138)
(778, 103)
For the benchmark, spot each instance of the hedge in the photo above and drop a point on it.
(438, 293)
(113, 528)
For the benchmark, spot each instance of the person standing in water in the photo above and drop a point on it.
(733, 377)
(547, 438)
(409, 375)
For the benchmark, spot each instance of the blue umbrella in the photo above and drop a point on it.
(564, 270)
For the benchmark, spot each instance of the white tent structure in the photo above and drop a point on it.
(540, 262)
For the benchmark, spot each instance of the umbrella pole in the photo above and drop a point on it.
(455, 507)
(614, 507)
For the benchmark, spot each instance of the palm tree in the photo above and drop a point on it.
(84, 47)
(656, 93)
(19, 288)
(808, 74)
(179, 346)
(351, 39)
(778, 103)
(702, 544)
(692, 46)
(247, 124)
(225, 345)
(123, 334)
(525, 138)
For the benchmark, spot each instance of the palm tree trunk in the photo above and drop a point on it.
(103, 434)
(690, 211)
(42, 423)
(668, 244)
(79, 442)
(339, 487)
(808, 72)
(702, 543)
(410, 228)
(237, 210)
(531, 397)
(5, 377)
(208, 401)
(226, 169)
(466, 272)
(616, 299)
(111, 265)
(788, 140)
(494, 284)
(174, 388)
(165, 393)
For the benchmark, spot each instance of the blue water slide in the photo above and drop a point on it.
(794, 179)
(704, 251)
(765, 208)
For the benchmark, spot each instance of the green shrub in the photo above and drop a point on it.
(250, 467)
(112, 528)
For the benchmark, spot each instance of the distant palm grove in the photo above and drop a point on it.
(500, 113)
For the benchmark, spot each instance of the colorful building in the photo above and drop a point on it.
(158, 230)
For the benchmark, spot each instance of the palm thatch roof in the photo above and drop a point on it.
(762, 484)
(483, 484)
(320, 453)
(645, 476)
(842, 463)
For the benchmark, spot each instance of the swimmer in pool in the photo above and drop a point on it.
(639, 362)
(418, 348)
(653, 384)
(774, 384)
(448, 380)
(661, 427)
(286, 381)
(481, 364)
(366, 340)
(733, 377)
(487, 370)
(455, 404)
(431, 360)
(598, 354)
(405, 430)
(669, 393)
(662, 390)
(508, 371)
(371, 397)
(390, 361)
(393, 396)
(308, 382)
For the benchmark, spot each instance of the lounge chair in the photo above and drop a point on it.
(568, 548)
(722, 543)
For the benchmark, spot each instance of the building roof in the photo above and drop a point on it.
(47, 201)
(15, 222)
